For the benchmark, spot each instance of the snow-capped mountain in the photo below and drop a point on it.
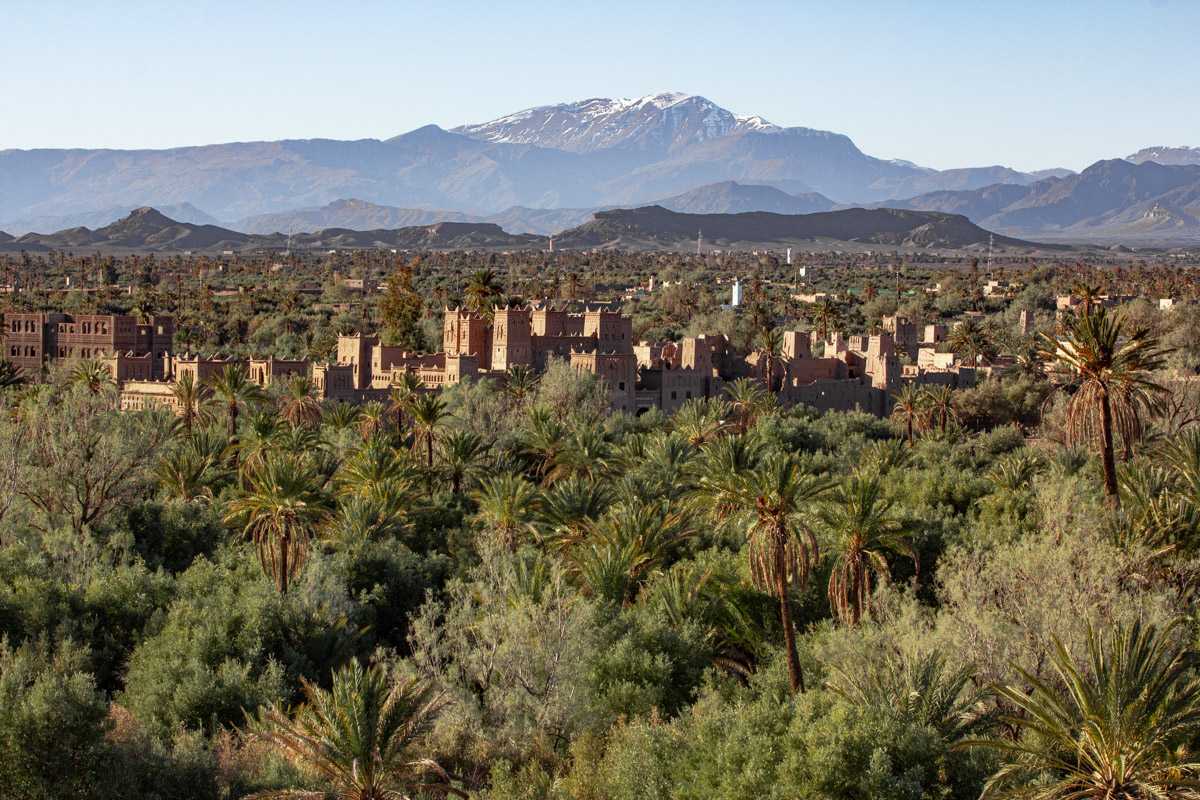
(663, 122)
(1167, 156)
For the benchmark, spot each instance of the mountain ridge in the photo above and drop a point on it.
(627, 153)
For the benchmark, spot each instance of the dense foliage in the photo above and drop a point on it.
(505, 592)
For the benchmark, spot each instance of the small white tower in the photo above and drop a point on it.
(735, 298)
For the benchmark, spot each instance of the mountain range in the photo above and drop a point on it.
(651, 227)
(728, 197)
(588, 154)
(1117, 200)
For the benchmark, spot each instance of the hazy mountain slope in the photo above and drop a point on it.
(731, 197)
(654, 226)
(1167, 156)
(722, 198)
(1108, 200)
(184, 212)
(351, 214)
(147, 230)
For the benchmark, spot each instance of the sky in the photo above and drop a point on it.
(955, 83)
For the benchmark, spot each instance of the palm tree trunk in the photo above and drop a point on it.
(910, 430)
(1106, 452)
(795, 673)
(281, 580)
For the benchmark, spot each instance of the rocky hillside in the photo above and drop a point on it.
(1116, 199)
(148, 230)
(654, 226)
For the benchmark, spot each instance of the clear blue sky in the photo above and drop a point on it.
(945, 84)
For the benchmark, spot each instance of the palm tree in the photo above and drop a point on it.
(775, 495)
(543, 439)
(826, 316)
(520, 382)
(1110, 369)
(566, 508)
(189, 471)
(299, 404)
(482, 290)
(405, 386)
(191, 400)
(938, 402)
(1121, 725)
(234, 389)
(701, 420)
(362, 736)
(629, 542)
(919, 690)
(92, 374)
(970, 341)
(340, 416)
(428, 412)
(508, 505)
(11, 376)
(909, 409)
(749, 401)
(859, 517)
(462, 454)
(280, 508)
(769, 348)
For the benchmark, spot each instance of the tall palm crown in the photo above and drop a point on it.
(362, 736)
(462, 454)
(1111, 369)
(775, 496)
(428, 412)
(859, 516)
(482, 290)
(749, 401)
(299, 404)
(1121, 725)
(970, 341)
(92, 374)
(908, 408)
(279, 510)
(938, 402)
(768, 345)
(507, 504)
(192, 398)
(234, 390)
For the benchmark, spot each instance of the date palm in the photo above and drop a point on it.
(405, 386)
(749, 401)
(462, 454)
(482, 290)
(279, 510)
(508, 505)
(826, 316)
(428, 412)
(234, 390)
(776, 498)
(908, 408)
(299, 404)
(701, 420)
(768, 345)
(939, 406)
(191, 401)
(520, 382)
(970, 341)
(859, 517)
(1111, 369)
(94, 375)
(362, 736)
(1119, 724)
